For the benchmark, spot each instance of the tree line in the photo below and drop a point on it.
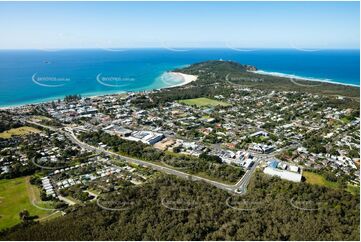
(205, 164)
(170, 208)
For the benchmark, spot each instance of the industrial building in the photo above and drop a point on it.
(147, 137)
(283, 170)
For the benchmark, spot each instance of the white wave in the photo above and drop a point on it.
(291, 76)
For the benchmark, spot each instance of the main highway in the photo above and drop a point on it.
(239, 188)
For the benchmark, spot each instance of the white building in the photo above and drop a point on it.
(147, 137)
(247, 163)
(261, 148)
(259, 133)
(283, 174)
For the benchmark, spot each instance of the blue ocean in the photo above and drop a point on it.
(31, 76)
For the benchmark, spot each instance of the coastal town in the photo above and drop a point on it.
(81, 150)
(283, 134)
(180, 120)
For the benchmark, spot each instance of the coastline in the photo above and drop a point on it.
(279, 74)
(164, 78)
(185, 78)
(51, 99)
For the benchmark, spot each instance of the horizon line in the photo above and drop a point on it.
(187, 48)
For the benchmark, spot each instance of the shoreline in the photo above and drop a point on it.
(312, 79)
(186, 79)
(51, 99)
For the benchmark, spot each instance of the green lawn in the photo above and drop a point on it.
(51, 216)
(40, 118)
(14, 197)
(18, 131)
(316, 179)
(202, 102)
(345, 120)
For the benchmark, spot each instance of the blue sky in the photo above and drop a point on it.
(179, 24)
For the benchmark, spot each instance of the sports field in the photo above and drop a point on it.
(18, 131)
(203, 102)
(15, 196)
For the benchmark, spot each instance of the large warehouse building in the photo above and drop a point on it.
(284, 171)
(147, 137)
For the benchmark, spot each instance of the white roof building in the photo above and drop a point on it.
(283, 174)
(294, 168)
(259, 133)
(247, 163)
(147, 137)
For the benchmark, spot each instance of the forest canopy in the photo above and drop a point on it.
(169, 208)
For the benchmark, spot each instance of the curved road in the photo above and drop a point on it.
(238, 188)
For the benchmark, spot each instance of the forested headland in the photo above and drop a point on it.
(221, 77)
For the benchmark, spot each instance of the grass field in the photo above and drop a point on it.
(203, 102)
(15, 196)
(316, 179)
(18, 131)
(39, 118)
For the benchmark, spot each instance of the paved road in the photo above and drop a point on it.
(241, 185)
(238, 188)
(168, 170)
(44, 126)
(66, 200)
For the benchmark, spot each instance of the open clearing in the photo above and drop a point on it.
(15, 196)
(18, 131)
(38, 118)
(202, 102)
(316, 179)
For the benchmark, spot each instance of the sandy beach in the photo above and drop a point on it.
(177, 75)
(185, 77)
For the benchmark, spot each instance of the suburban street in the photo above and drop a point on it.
(241, 185)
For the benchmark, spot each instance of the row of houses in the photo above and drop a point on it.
(48, 187)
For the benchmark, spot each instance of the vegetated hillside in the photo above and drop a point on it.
(222, 77)
(216, 66)
(232, 72)
(7, 121)
(174, 209)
